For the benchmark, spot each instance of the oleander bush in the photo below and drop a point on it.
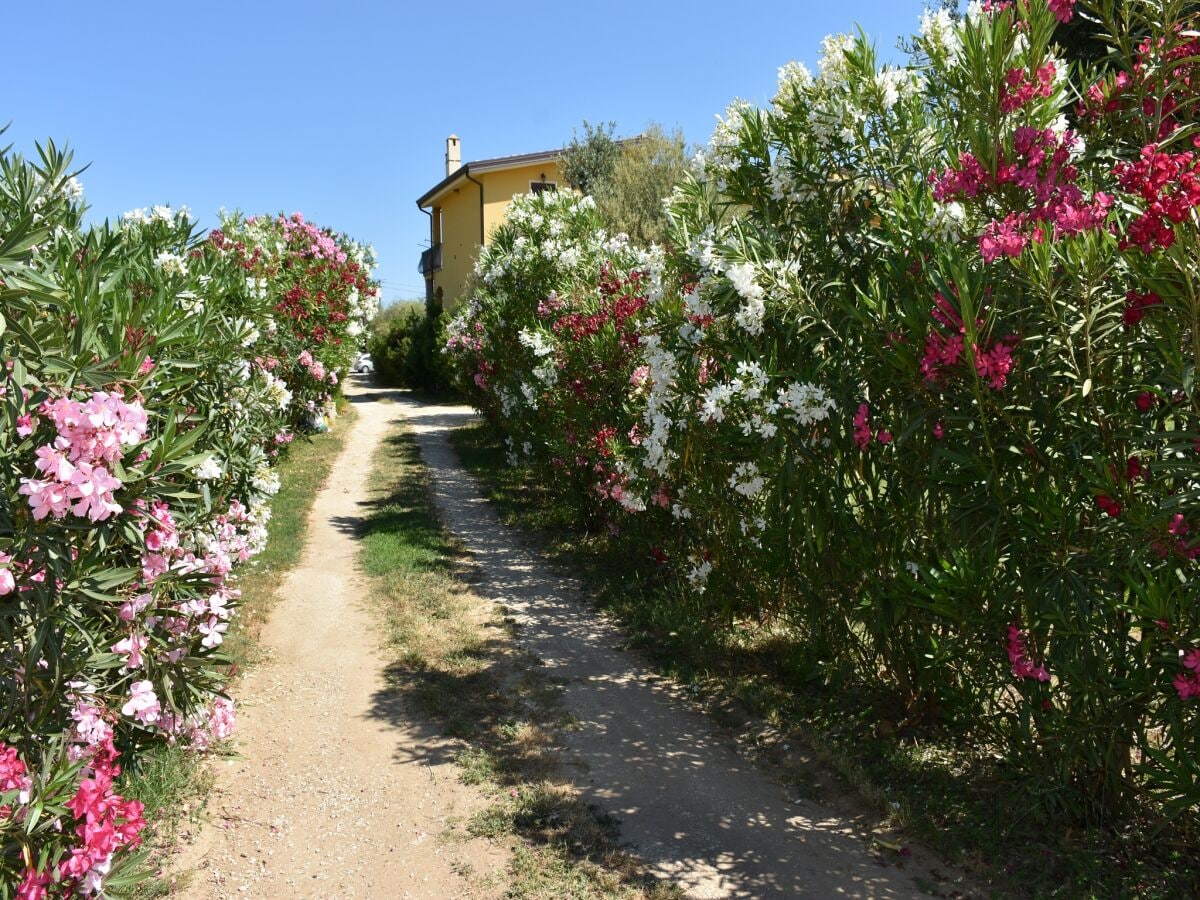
(152, 374)
(912, 386)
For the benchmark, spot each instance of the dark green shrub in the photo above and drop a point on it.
(407, 352)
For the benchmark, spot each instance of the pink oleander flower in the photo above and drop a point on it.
(13, 775)
(994, 364)
(222, 719)
(131, 648)
(213, 630)
(1186, 685)
(1136, 305)
(34, 885)
(53, 464)
(146, 367)
(46, 498)
(862, 426)
(24, 425)
(91, 727)
(1002, 239)
(143, 703)
(104, 822)
(1022, 665)
(92, 490)
(8, 584)
(1062, 9)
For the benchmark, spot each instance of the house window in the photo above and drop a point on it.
(538, 186)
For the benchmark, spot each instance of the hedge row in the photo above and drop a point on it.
(152, 375)
(912, 388)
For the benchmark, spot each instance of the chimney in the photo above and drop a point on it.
(453, 154)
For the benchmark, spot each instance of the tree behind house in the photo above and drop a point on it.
(631, 199)
(628, 179)
(588, 161)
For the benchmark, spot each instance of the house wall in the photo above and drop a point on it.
(460, 220)
(500, 187)
(460, 241)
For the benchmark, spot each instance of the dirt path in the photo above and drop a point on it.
(327, 799)
(687, 802)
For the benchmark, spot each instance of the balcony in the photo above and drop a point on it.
(431, 260)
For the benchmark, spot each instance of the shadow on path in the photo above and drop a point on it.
(699, 813)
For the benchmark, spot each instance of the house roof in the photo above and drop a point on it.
(480, 166)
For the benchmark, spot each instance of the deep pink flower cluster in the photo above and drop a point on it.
(1164, 75)
(621, 302)
(1187, 683)
(1018, 88)
(1169, 183)
(1136, 305)
(1040, 168)
(91, 436)
(1176, 541)
(1062, 9)
(105, 822)
(1022, 665)
(1105, 97)
(13, 777)
(993, 361)
(863, 435)
(1124, 480)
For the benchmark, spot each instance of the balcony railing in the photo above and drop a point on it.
(431, 260)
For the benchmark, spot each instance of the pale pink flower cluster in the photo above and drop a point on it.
(199, 732)
(143, 703)
(91, 436)
(315, 367)
(7, 583)
(322, 245)
(228, 539)
(92, 728)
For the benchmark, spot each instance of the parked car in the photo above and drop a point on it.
(363, 364)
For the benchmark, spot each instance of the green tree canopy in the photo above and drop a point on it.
(628, 179)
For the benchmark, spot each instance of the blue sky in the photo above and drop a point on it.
(341, 110)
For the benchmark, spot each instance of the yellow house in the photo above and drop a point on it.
(465, 207)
